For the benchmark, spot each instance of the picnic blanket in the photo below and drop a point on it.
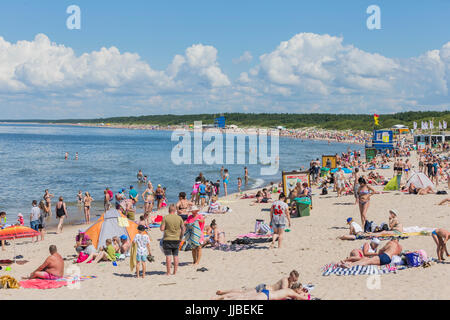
(333, 269)
(52, 284)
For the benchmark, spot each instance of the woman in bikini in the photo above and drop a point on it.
(159, 193)
(364, 193)
(225, 176)
(183, 205)
(87, 207)
(48, 199)
(147, 195)
(216, 237)
(369, 249)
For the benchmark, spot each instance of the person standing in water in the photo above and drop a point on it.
(87, 207)
(76, 156)
(61, 214)
(66, 156)
(246, 176)
(48, 200)
(225, 176)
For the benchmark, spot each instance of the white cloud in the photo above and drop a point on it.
(246, 57)
(309, 72)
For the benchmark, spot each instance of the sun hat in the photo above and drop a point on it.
(394, 212)
(194, 208)
(20, 215)
(349, 220)
(376, 241)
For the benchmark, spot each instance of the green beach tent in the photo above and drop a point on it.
(391, 185)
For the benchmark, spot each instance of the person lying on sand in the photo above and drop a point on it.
(420, 191)
(296, 293)
(283, 283)
(369, 249)
(215, 207)
(356, 232)
(392, 248)
(444, 202)
(52, 268)
(440, 237)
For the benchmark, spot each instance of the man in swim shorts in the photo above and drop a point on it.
(283, 283)
(392, 248)
(52, 268)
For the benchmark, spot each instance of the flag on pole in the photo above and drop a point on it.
(444, 125)
(440, 126)
(422, 125)
(375, 118)
(415, 125)
(431, 125)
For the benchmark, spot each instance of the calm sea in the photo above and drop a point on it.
(32, 160)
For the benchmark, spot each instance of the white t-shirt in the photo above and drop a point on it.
(141, 241)
(279, 212)
(35, 213)
(356, 227)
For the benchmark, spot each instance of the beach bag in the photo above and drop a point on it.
(82, 257)
(441, 192)
(258, 224)
(324, 191)
(264, 228)
(413, 259)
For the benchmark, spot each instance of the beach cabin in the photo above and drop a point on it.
(400, 129)
(432, 139)
(381, 140)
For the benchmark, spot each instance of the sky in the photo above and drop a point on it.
(183, 57)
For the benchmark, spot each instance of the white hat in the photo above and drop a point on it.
(194, 208)
(394, 212)
(376, 241)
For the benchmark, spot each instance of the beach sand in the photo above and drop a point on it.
(309, 246)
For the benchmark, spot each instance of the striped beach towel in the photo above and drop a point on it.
(193, 234)
(333, 269)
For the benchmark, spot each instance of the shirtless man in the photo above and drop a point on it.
(369, 249)
(284, 283)
(296, 293)
(392, 248)
(52, 268)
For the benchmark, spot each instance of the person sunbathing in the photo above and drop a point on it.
(283, 283)
(420, 191)
(296, 293)
(440, 237)
(392, 248)
(356, 232)
(52, 268)
(215, 207)
(369, 249)
(444, 202)
(216, 237)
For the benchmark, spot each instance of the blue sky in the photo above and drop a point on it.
(157, 31)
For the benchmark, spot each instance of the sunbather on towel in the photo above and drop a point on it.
(369, 249)
(356, 232)
(283, 283)
(392, 248)
(440, 236)
(52, 268)
(420, 191)
(297, 293)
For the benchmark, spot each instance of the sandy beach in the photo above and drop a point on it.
(310, 245)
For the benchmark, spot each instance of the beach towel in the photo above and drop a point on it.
(333, 269)
(234, 247)
(251, 196)
(122, 222)
(194, 230)
(133, 252)
(52, 284)
(154, 225)
(253, 235)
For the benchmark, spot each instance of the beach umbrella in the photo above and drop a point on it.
(17, 232)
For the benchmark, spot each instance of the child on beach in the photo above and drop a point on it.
(239, 185)
(20, 220)
(142, 241)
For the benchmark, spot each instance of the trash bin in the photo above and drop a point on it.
(303, 207)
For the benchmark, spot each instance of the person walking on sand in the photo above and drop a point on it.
(61, 214)
(364, 193)
(148, 198)
(173, 227)
(142, 241)
(278, 214)
(35, 217)
(48, 199)
(87, 207)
